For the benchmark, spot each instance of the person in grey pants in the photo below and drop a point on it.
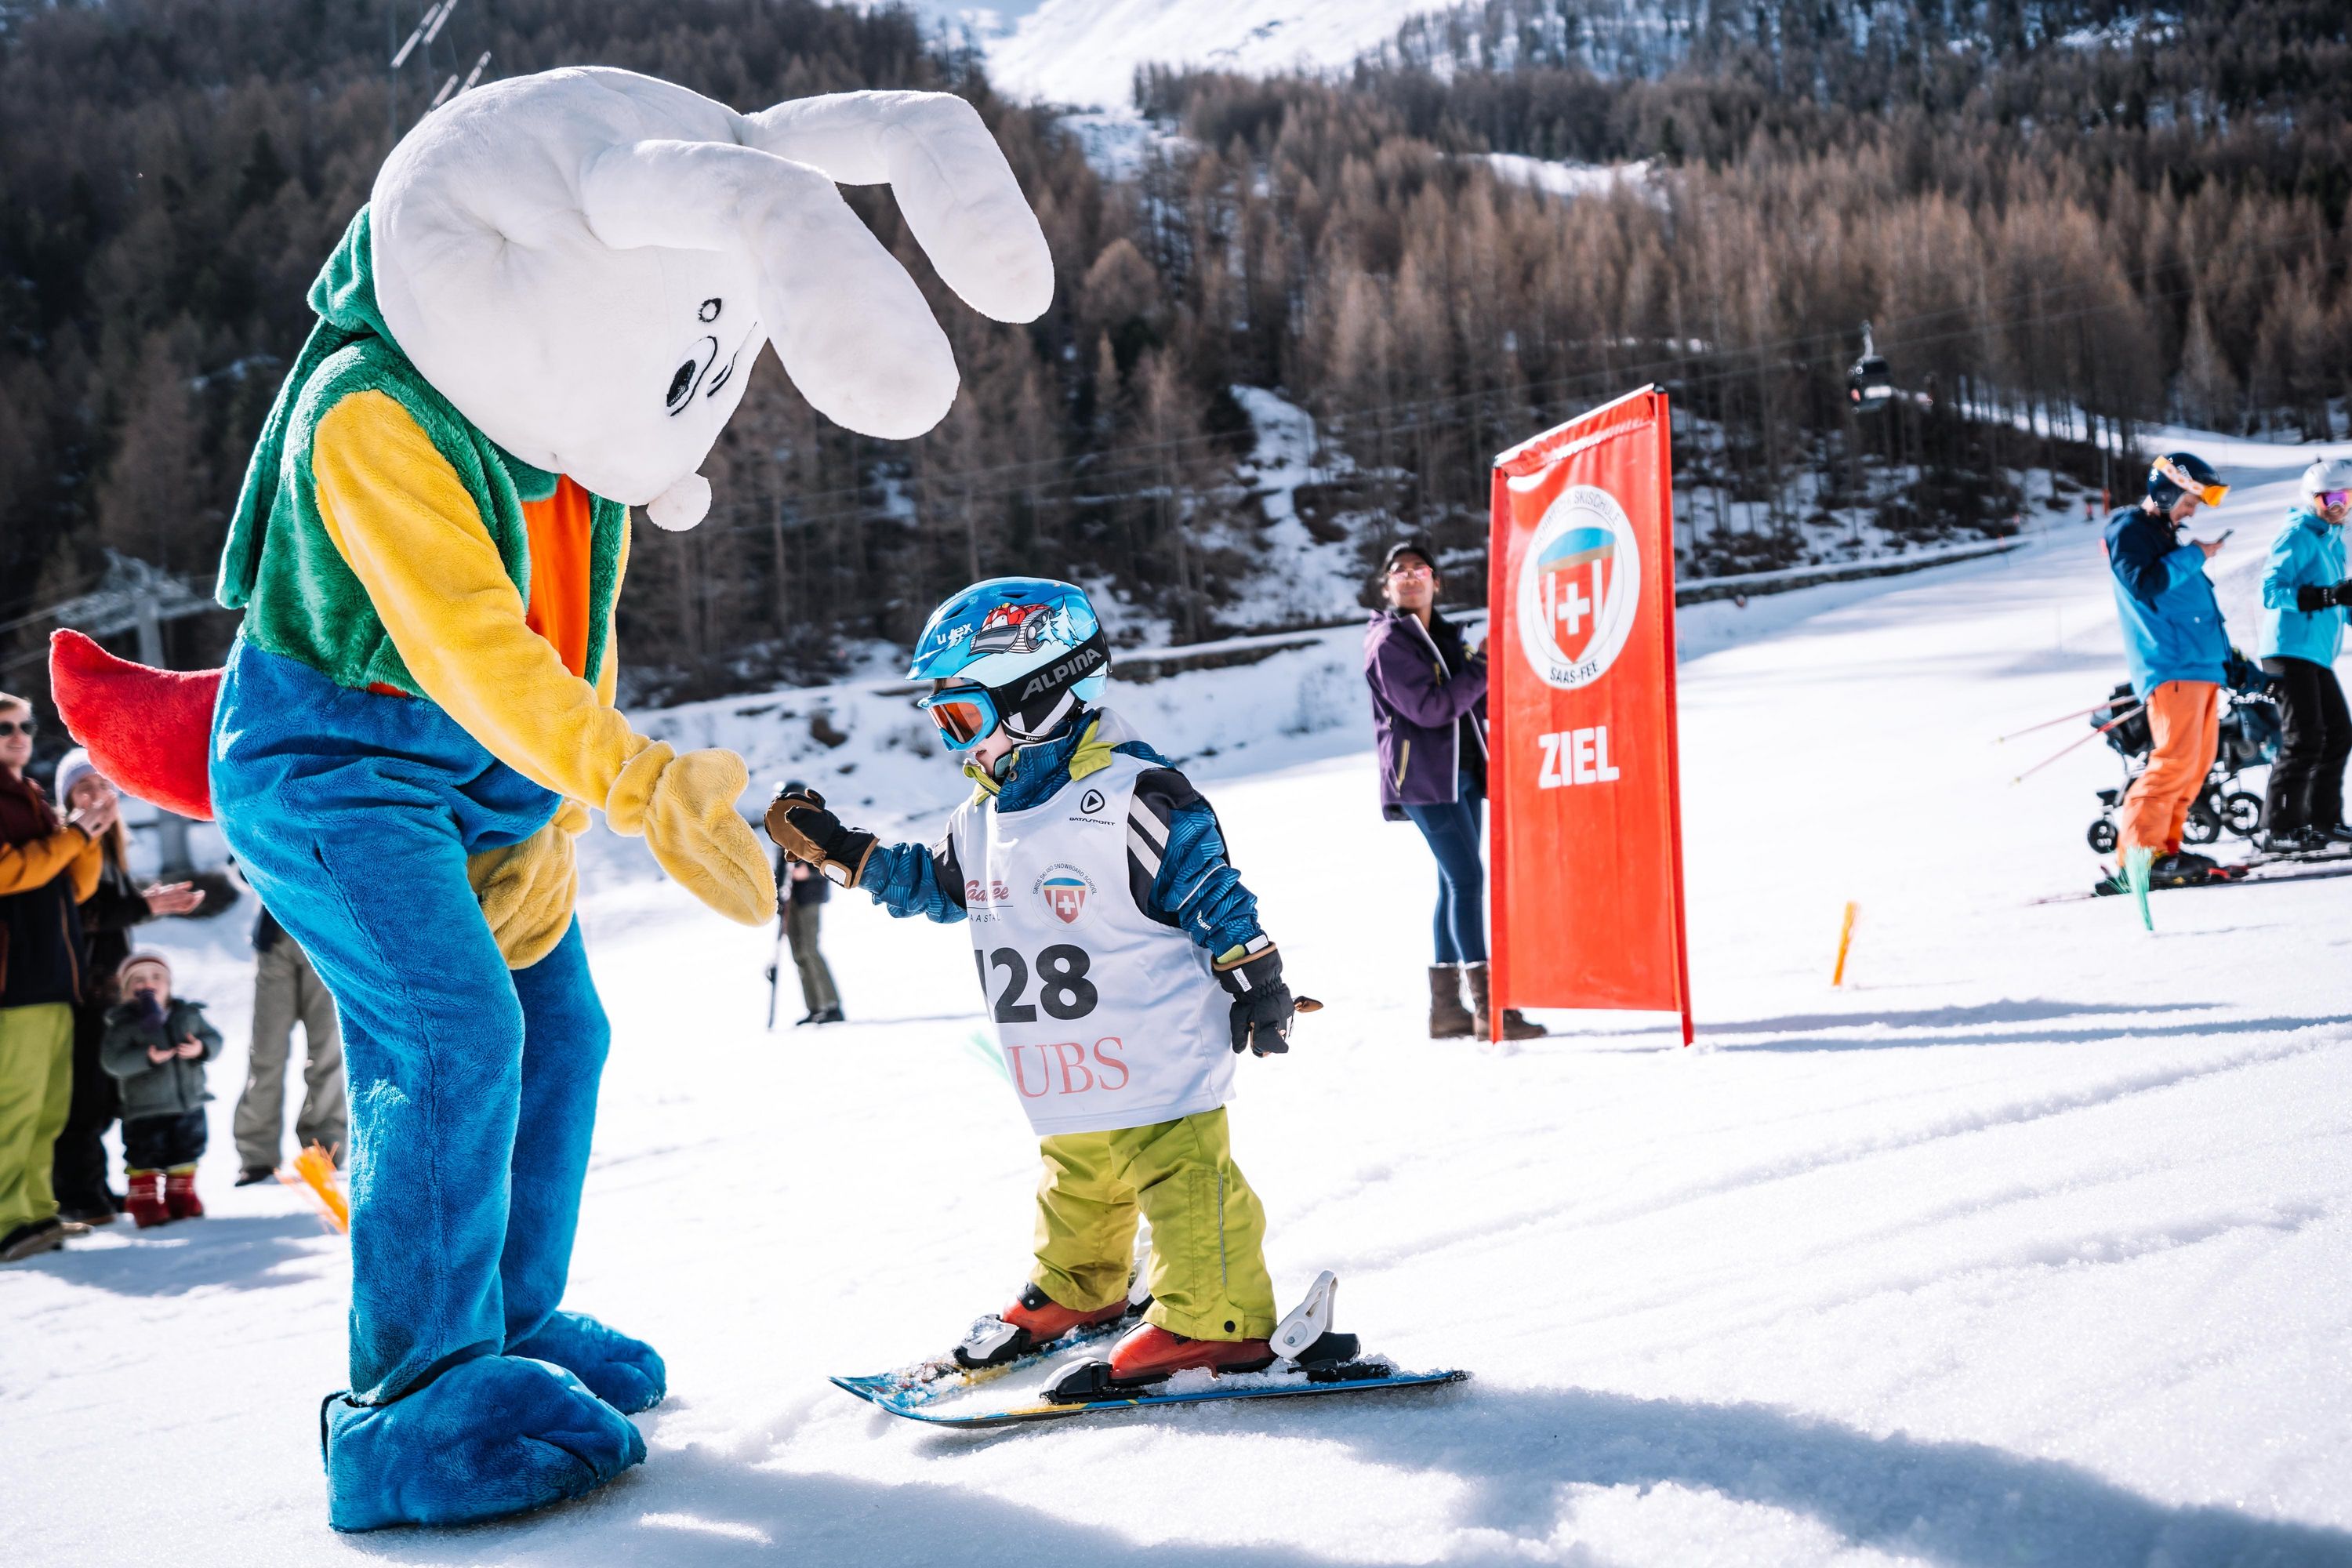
(287, 989)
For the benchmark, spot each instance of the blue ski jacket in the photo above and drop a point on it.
(2172, 624)
(1197, 887)
(2308, 553)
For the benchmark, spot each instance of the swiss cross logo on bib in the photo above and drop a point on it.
(1066, 890)
(1579, 584)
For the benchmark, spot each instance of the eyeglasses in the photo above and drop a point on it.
(19, 726)
(966, 715)
(1407, 569)
(2210, 494)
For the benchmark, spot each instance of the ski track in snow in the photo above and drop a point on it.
(2028, 1247)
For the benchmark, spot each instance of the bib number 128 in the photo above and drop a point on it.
(1062, 988)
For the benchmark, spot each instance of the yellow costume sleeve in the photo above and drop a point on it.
(411, 533)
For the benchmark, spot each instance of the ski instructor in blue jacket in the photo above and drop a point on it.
(2180, 656)
(2304, 598)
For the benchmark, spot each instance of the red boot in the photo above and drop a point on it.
(1150, 1353)
(147, 1206)
(1034, 1319)
(180, 1192)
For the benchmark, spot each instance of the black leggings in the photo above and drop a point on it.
(2307, 786)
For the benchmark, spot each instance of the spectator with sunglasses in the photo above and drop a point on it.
(48, 866)
(2304, 595)
(2180, 656)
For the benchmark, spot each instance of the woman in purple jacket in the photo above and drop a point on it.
(1429, 718)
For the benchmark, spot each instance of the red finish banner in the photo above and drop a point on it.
(1583, 774)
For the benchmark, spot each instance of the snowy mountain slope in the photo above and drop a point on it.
(1086, 52)
(2029, 1248)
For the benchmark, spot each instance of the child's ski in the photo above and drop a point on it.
(1359, 1377)
(914, 1385)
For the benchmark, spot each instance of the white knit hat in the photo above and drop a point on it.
(72, 768)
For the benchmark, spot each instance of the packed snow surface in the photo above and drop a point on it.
(2031, 1246)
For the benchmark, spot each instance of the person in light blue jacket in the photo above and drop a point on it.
(2305, 596)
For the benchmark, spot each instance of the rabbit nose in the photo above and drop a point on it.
(681, 506)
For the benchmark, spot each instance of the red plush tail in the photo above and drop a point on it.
(147, 730)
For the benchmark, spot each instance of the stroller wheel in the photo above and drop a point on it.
(2242, 812)
(2102, 835)
(2203, 826)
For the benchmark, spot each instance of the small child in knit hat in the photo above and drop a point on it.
(156, 1047)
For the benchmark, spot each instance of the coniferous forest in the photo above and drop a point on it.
(2066, 222)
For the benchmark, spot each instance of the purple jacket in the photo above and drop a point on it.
(1428, 703)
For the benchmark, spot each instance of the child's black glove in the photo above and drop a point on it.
(2311, 597)
(805, 830)
(1263, 1007)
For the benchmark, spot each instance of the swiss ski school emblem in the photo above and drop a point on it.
(1066, 890)
(1580, 584)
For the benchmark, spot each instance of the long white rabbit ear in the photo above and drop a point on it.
(854, 332)
(951, 178)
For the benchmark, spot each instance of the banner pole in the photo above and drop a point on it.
(1498, 964)
(1673, 713)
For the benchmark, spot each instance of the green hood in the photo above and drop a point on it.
(343, 296)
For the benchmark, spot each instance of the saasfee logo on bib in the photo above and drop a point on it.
(1580, 584)
(1066, 890)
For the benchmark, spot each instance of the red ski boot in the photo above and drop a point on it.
(1033, 1320)
(180, 1194)
(146, 1203)
(1149, 1355)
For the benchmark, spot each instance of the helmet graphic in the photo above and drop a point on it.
(1021, 652)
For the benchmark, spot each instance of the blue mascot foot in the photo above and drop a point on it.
(491, 1436)
(626, 1373)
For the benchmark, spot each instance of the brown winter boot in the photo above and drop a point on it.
(1448, 1018)
(146, 1203)
(180, 1192)
(1514, 1027)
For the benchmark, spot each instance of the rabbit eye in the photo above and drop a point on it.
(689, 375)
(708, 313)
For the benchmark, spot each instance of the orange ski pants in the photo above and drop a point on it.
(2185, 717)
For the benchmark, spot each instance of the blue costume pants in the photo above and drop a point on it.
(473, 1094)
(1451, 830)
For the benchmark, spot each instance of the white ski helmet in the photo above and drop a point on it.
(2327, 474)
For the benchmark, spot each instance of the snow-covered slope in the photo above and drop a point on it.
(1085, 52)
(2030, 1247)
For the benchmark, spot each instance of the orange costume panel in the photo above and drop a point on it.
(2185, 717)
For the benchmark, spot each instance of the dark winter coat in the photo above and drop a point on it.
(1429, 709)
(107, 916)
(43, 867)
(152, 1088)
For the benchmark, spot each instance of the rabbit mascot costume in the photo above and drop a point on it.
(545, 315)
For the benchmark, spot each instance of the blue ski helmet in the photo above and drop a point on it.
(2177, 474)
(1020, 652)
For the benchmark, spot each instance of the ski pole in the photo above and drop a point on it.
(2078, 713)
(775, 963)
(2072, 744)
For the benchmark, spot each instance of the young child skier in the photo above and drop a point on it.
(1123, 963)
(156, 1045)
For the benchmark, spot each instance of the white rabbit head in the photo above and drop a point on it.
(585, 263)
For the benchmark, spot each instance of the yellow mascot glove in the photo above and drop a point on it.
(685, 808)
(527, 890)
